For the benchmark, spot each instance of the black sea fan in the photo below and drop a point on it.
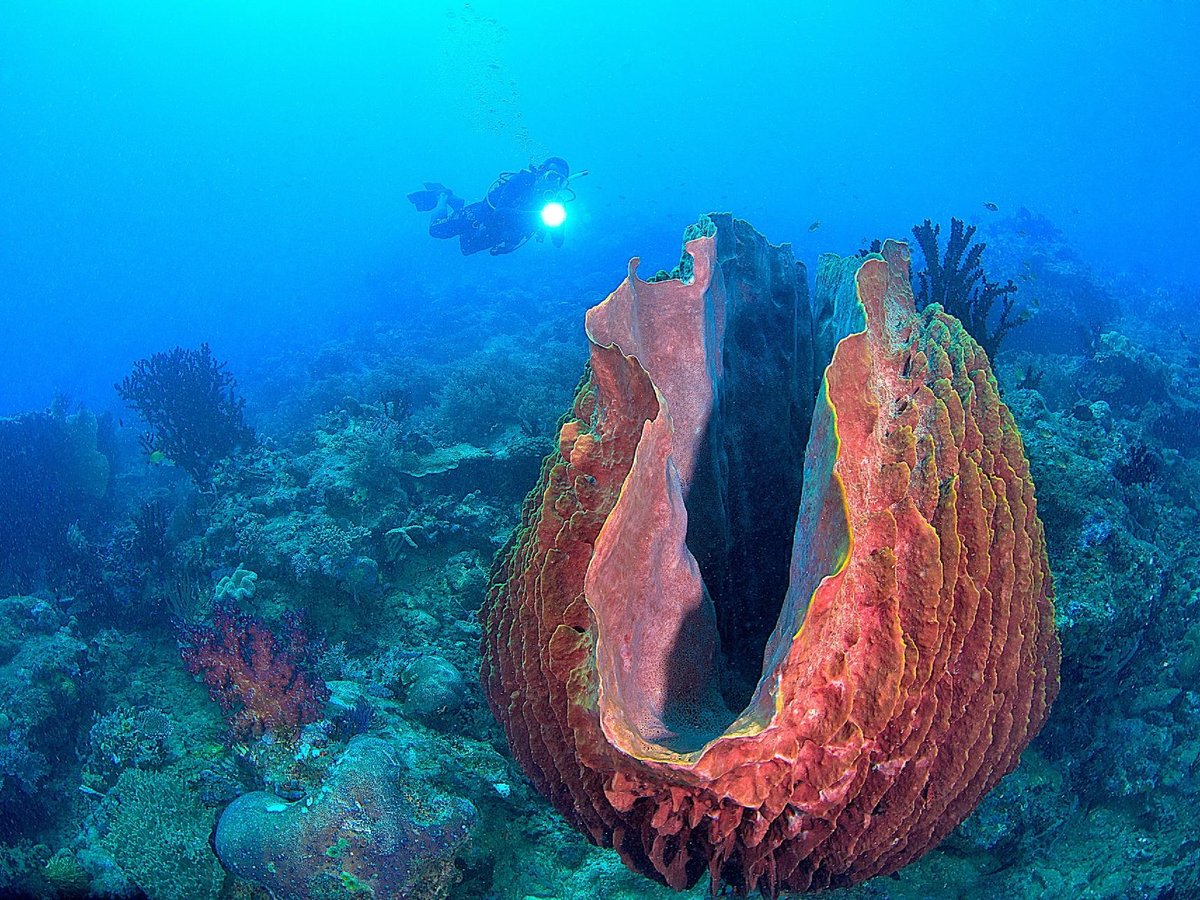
(188, 399)
(957, 282)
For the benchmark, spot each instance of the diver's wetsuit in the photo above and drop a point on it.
(505, 219)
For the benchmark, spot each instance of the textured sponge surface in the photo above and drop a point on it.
(903, 678)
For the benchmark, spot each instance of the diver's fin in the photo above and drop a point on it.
(427, 199)
(424, 201)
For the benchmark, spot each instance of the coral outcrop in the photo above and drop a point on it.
(372, 830)
(779, 608)
(157, 831)
(43, 671)
(53, 475)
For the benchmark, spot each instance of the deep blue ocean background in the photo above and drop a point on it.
(234, 174)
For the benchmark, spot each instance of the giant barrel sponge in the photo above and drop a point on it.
(779, 608)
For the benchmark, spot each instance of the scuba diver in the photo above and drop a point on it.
(518, 206)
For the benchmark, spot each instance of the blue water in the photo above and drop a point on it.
(236, 172)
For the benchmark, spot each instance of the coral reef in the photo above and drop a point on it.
(956, 281)
(434, 689)
(189, 401)
(156, 830)
(43, 668)
(915, 653)
(130, 739)
(391, 465)
(1073, 303)
(65, 876)
(371, 830)
(256, 676)
(53, 477)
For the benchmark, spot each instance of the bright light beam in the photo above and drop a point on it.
(554, 214)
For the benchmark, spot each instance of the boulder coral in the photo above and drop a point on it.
(373, 829)
(779, 608)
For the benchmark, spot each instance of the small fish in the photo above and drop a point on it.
(990, 206)
(158, 458)
(815, 225)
